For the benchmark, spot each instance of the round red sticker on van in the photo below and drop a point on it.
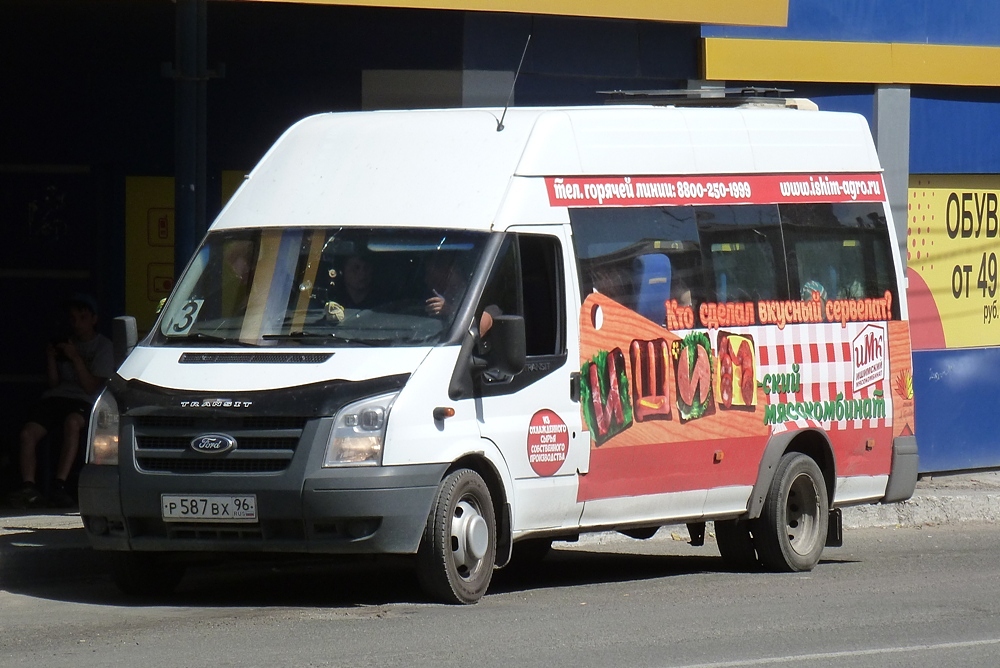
(548, 442)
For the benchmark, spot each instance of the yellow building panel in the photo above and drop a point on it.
(952, 247)
(725, 12)
(946, 65)
(794, 60)
(149, 246)
(727, 59)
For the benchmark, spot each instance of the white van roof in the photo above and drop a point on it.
(451, 168)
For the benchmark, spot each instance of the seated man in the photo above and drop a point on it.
(77, 368)
(356, 289)
(447, 285)
(445, 282)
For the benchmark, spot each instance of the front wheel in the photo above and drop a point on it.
(791, 531)
(458, 550)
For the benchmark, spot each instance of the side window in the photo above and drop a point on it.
(743, 248)
(839, 251)
(644, 257)
(542, 294)
(527, 281)
(639, 257)
(503, 291)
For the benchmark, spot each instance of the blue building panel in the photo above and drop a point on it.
(954, 130)
(853, 98)
(956, 395)
(960, 22)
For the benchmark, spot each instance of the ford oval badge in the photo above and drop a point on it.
(213, 444)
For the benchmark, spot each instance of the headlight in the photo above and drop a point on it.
(359, 432)
(103, 435)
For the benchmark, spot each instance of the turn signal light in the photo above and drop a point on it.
(442, 412)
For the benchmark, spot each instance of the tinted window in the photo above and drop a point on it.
(643, 257)
(640, 257)
(841, 251)
(527, 280)
(743, 248)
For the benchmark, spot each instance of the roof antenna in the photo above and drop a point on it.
(513, 83)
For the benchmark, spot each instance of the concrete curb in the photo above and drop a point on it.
(925, 509)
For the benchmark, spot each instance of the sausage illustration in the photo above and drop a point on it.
(614, 403)
(725, 371)
(748, 383)
(603, 423)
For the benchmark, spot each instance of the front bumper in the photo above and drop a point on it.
(364, 510)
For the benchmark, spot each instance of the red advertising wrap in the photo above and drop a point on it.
(593, 191)
(696, 407)
(684, 392)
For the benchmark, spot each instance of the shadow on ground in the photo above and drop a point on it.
(58, 564)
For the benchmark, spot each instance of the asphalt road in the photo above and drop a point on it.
(890, 597)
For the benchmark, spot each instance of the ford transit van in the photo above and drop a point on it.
(417, 333)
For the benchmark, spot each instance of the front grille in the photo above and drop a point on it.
(246, 443)
(206, 465)
(203, 424)
(264, 444)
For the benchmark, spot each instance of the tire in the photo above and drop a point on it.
(791, 531)
(458, 550)
(736, 544)
(143, 574)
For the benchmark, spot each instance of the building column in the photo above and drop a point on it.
(892, 141)
(190, 82)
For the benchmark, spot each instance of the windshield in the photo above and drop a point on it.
(322, 287)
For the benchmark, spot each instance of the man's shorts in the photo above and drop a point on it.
(51, 412)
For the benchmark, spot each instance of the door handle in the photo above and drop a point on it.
(574, 387)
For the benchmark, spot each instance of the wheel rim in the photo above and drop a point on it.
(802, 515)
(470, 537)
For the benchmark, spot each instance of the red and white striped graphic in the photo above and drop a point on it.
(822, 352)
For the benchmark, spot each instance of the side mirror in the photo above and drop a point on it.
(504, 348)
(124, 337)
(499, 354)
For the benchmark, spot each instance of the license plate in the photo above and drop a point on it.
(209, 507)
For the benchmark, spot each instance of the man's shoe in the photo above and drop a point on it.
(29, 496)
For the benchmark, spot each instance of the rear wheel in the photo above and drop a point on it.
(791, 531)
(736, 544)
(458, 550)
(145, 573)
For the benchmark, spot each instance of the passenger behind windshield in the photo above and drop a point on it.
(318, 286)
(445, 283)
(355, 287)
(237, 276)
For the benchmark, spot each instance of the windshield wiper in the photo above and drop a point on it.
(212, 338)
(304, 336)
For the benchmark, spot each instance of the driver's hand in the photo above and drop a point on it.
(69, 350)
(434, 305)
